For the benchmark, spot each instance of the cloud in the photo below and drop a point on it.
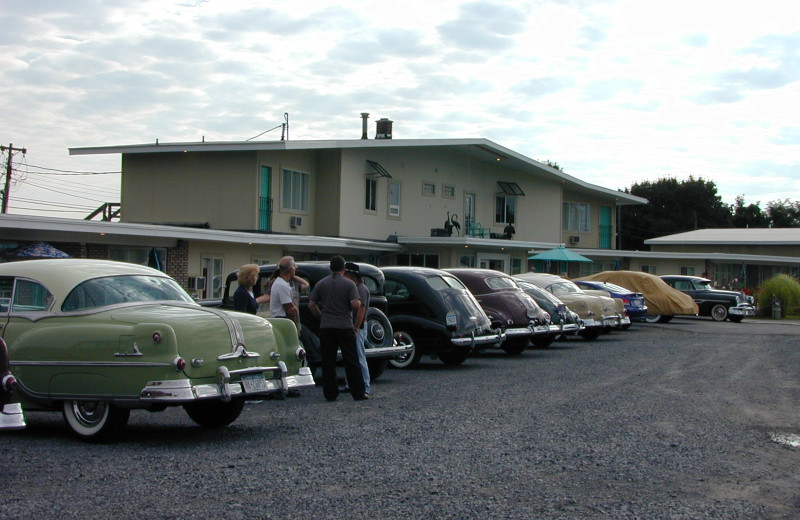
(484, 26)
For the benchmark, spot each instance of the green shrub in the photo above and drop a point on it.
(785, 287)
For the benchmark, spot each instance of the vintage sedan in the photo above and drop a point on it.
(381, 346)
(509, 308)
(96, 339)
(435, 312)
(635, 306)
(563, 321)
(663, 302)
(720, 305)
(598, 313)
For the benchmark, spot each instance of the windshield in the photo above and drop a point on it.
(564, 287)
(111, 290)
(703, 285)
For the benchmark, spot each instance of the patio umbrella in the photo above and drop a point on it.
(559, 254)
(36, 250)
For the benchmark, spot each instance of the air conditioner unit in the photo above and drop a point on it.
(197, 282)
(574, 239)
(295, 222)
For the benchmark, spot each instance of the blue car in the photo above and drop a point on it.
(634, 301)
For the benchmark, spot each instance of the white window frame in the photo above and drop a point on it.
(295, 190)
(428, 189)
(576, 217)
(394, 205)
(448, 188)
(370, 195)
(506, 200)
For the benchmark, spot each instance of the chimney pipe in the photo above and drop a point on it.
(364, 117)
(384, 128)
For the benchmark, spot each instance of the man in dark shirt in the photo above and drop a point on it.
(334, 299)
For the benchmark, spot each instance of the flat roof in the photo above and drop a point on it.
(482, 149)
(732, 236)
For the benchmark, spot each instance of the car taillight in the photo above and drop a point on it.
(300, 353)
(9, 383)
(179, 363)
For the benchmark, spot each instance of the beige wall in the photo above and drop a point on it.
(233, 255)
(745, 249)
(217, 188)
(591, 238)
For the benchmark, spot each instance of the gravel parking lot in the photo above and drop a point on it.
(686, 420)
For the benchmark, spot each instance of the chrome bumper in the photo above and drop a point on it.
(477, 341)
(388, 352)
(517, 332)
(571, 328)
(11, 417)
(742, 310)
(183, 391)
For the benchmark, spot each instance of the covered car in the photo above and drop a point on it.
(597, 312)
(96, 339)
(435, 312)
(563, 321)
(663, 302)
(508, 307)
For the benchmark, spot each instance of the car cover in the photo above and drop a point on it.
(659, 297)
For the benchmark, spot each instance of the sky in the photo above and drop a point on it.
(616, 92)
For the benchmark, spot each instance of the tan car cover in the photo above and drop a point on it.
(659, 297)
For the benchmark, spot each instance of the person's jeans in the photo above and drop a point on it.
(361, 341)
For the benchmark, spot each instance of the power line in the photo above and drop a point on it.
(69, 172)
(63, 193)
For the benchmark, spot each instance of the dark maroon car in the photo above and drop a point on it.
(507, 306)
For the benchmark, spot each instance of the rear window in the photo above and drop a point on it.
(439, 283)
(112, 290)
(501, 282)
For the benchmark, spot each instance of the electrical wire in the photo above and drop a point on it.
(69, 172)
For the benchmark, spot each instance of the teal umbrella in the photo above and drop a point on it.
(559, 254)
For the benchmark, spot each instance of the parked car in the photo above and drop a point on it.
(563, 321)
(96, 339)
(597, 312)
(635, 307)
(11, 416)
(380, 346)
(506, 305)
(718, 304)
(663, 302)
(436, 313)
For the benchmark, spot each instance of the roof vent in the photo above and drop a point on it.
(364, 117)
(384, 128)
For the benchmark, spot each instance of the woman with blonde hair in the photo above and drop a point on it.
(243, 299)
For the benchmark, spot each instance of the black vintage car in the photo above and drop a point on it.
(507, 306)
(433, 310)
(381, 344)
(718, 304)
(563, 322)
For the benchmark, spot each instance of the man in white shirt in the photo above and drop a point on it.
(281, 303)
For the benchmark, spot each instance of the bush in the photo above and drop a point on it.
(785, 287)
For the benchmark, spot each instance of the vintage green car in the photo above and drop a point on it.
(96, 339)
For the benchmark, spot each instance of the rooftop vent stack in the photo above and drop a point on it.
(384, 128)
(364, 117)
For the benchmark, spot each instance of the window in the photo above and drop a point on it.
(505, 209)
(31, 296)
(466, 261)
(418, 260)
(429, 189)
(575, 217)
(448, 191)
(516, 265)
(295, 190)
(212, 270)
(469, 210)
(155, 257)
(371, 189)
(687, 270)
(649, 269)
(394, 199)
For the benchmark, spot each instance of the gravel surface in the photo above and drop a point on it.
(668, 421)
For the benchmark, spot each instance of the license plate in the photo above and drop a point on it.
(451, 319)
(253, 383)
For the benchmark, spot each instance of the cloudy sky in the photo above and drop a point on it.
(614, 91)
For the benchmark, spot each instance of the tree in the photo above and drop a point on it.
(750, 216)
(673, 207)
(784, 213)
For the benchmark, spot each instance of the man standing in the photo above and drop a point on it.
(333, 300)
(352, 271)
(285, 292)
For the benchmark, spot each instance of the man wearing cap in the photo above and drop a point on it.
(353, 272)
(334, 299)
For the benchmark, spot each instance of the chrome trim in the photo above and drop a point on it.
(520, 331)
(478, 340)
(742, 310)
(383, 352)
(238, 351)
(135, 352)
(11, 417)
(90, 363)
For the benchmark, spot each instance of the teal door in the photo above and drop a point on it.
(606, 229)
(264, 200)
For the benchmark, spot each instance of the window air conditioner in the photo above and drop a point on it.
(296, 222)
(574, 239)
(197, 282)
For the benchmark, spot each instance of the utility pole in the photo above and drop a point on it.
(7, 190)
